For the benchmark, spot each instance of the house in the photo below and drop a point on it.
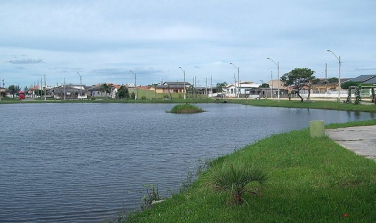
(3, 92)
(368, 84)
(96, 91)
(249, 88)
(365, 79)
(70, 92)
(371, 81)
(170, 87)
(240, 89)
(274, 85)
(114, 89)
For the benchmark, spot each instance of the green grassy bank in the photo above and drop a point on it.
(111, 100)
(330, 105)
(308, 180)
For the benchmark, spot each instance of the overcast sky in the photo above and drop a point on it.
(104, 40)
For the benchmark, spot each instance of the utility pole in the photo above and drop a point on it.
(80, 85)
(195, 87)
(278, 74)
(64, 89)
(183, 82)
(238, 91)
(206, 88)
(211, 85)
(326, 78)
(339, 74)
(135, 84)
(41, 88)
(271, 78)
(45, 90)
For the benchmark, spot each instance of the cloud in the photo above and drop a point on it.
(26, 61)
(104, 40)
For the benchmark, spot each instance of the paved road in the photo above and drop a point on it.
(361, 139)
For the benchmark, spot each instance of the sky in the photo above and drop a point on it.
(103, 41)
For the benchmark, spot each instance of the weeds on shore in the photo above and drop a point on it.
(151, 195)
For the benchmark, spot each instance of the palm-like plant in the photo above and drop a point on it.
(234, 179)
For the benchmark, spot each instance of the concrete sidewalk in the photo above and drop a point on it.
(360, 139)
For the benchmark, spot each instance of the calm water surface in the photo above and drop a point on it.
(88, 162)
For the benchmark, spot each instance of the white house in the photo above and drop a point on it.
(245, 88)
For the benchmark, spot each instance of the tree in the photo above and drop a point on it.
(333, 80)
(298, 78)
(220, 87)
(123, 92)
(105, 88)
(13, 89)
(357, 94)
(348, 84)
(310, 84)
(264, 85)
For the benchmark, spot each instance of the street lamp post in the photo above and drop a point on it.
(238, 91)
(339, 74)
(45, 88)
(271, 78)
(277, 73)
(135, 85)
(80, 85)
(184, 80)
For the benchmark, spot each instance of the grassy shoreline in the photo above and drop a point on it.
(309, 180)
(319, 104)
(329, 105)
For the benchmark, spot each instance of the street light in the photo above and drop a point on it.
(184, 80)
(339, 74)
(135, 85)
(238, 91)
(80, 85)
(277, 72)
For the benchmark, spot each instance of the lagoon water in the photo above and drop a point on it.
(88, 162)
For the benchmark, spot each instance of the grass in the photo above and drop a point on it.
(186, 109)
(308, 180)
(111, 100)
(330, 105)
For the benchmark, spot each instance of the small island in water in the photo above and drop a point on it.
(186, 109)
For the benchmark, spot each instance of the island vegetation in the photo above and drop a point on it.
(186, 109)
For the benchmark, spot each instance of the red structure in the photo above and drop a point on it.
(21, 95)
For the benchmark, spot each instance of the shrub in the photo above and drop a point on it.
(186, 109)
(233, 179)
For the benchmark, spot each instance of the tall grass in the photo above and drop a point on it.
(309, 180)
